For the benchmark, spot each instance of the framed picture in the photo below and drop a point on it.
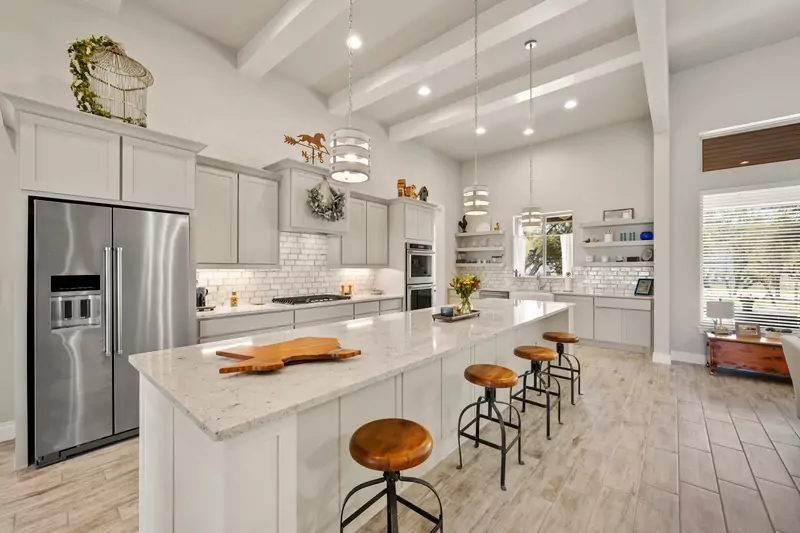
(747, 329)
(644, 287)
(618, 214)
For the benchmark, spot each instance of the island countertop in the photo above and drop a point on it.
(225, 406)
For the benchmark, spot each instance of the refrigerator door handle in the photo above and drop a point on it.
(107, 310)
(118, 303)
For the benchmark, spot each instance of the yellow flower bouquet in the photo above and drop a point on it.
(465, 286)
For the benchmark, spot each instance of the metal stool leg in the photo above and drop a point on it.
(391, 509)
(477, 406)
(491, 401)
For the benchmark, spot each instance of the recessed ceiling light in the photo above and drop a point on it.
(481, 130)
(571, 104)
(528, 131)
(424, 90)
(745, 163)
(354, 42)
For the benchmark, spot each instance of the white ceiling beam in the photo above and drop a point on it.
(603, 60)
(449, 50)
(295, 23)
(651, 27)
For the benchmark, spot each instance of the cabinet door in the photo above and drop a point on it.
(636, 328)
(258, 221)
(377, 234)
(425, 224)
(60, 157)
(607, 324)
(300, 216)
(157, 175)
(411, 219)
(215, 216)
(354, 242)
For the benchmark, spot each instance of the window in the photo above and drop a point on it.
(751, 254)
(545, 250)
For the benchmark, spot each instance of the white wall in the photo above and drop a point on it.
(199, 95)
(758, 85)
(606, 168)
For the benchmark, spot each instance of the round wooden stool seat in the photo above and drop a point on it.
(536, 353)
(560, 336)
(491, 376)
(391, 445)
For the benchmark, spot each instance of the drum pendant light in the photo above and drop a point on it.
(531, 216)
(350, 147)
(476, 197)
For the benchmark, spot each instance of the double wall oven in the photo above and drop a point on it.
(420, 286)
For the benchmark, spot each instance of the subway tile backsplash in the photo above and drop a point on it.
(601, 281)
(302, 269)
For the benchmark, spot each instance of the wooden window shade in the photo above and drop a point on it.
(759, 147)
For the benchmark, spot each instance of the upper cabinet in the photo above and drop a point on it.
(155, 174)
(236, 215)
(60, 157)
(354, 242)
(416, 219)
(68, 152)
(377, 234)
(297, 179)
(367, 242)
(216, 218)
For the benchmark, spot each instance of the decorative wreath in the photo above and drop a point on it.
(332, 210)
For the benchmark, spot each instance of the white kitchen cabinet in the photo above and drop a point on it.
(377, 234)
(583, 314)
(354, 242)
(608, 324)
(418, 223)
(636, 327)
(258, 221)
(157, 174)
(391, 306)
(61, 157)
(216, 218)
(295, 214)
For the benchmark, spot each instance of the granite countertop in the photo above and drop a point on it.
(227, 311)
(224, 406)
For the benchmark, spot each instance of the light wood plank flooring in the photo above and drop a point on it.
(649, 448)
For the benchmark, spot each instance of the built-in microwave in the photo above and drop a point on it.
(419, 263)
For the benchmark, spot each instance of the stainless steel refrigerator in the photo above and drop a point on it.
(105, 282)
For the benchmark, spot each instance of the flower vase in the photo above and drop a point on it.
(466, 305)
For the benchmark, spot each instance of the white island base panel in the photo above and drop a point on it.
(291, 475)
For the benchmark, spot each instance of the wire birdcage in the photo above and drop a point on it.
(120, 84)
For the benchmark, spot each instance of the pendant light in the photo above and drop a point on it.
(350, 147)
(476, 197)
(531, 216)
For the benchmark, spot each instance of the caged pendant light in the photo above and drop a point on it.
(531, 216)
(350, 147)
(476, 197)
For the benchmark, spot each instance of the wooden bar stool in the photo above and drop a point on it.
(538, 355)
(491, 377)
(391, 445)
(562, 338)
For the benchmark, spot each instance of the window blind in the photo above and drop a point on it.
(751, 254)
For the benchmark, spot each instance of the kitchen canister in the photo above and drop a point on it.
(608, 237)
(589, 259)
(604, 259)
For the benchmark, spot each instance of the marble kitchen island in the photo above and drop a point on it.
(269, 452)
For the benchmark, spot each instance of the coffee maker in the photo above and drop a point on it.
(202, 292)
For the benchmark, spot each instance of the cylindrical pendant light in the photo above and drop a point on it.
(476, 197)
(531, 216)
(350, 147)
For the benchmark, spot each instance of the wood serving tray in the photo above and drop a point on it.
(456, 318)
(275, 356)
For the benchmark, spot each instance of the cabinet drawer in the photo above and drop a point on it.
(623, 303)
(367, 307)
(391, 305)
(204, 340)
(217, 327)
(342, 312)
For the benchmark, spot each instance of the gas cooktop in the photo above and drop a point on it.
(311, 299)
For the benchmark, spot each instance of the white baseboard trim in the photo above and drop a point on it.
(662, 358)
(6, 431)
(688, 357)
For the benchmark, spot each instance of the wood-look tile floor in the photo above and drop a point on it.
(648, 449)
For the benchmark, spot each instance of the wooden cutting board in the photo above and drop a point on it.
(275, 356)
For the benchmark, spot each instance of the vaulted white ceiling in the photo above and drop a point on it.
(598, 52)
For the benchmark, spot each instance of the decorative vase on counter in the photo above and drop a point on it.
(466, 304)
(464, 287)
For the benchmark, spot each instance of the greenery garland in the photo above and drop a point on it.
(80, 66)
(331, 211)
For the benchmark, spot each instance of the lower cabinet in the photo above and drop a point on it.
(636, 328)
(623, 321)
(608, 324)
